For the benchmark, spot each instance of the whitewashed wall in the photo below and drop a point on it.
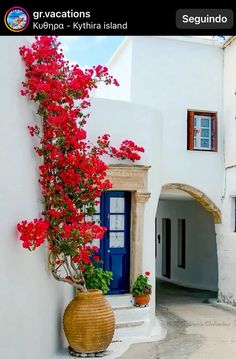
(172, 75)
(201, 269)
(226, 239)
(121, 65)
(124, 120)
(31, 301)
(165, 77)
(175, 75)
(230, 104)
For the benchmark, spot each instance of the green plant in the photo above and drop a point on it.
(97, 278)
(141, 285)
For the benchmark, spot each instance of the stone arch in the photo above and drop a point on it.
(199, 196)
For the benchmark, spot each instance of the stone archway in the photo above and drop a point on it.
(199, 196)
(186, 245)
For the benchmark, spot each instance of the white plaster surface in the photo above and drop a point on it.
(173, 76)
(32, 302)
(230, 104)
(226, 235)
(124, 120)
(121, 65)
(201, 256)
(164, 78)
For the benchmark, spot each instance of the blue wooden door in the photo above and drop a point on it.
(115, 246)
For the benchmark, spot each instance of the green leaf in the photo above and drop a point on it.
(97, 278)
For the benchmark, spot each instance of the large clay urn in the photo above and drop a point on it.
(89, 322)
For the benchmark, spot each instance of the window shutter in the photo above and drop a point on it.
(214, 132)
(190, 130)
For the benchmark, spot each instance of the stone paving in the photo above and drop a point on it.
(196, 329)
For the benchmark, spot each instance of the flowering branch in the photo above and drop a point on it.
(72, 175)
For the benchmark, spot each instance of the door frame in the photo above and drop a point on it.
(106, 251)
(133, 178)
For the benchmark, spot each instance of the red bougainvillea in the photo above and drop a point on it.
(72, 174)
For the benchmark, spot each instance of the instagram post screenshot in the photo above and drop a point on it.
(118, 181)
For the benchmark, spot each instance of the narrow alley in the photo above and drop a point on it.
(196, 329)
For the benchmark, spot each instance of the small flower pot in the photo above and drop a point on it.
(141, 300)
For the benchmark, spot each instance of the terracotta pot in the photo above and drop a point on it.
(142, 300)
(89, 322)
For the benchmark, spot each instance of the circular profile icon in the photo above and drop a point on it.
(16, 19)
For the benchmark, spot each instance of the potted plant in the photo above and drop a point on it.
(72, 176)
(98, 278)
(141, 290)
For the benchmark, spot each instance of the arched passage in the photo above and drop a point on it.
(186, 237)
(199, 196)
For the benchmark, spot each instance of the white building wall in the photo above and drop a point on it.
(120, 66)
(230, 104)
(226, 238)
(124, 120)
(201, 269)
(163, 78)
(174, 75)
(32, 303)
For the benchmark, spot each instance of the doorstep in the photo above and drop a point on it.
(119, 347)
(131, 321)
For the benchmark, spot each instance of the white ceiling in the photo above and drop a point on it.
(175, 194)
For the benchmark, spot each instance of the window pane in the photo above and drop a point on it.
(96, 242)
(117, 240)
(95, 218)
(97, 207)
(205, 133)
(117, 205)
(205, 143)
(117, 222)
(205, 121)
(201, 131)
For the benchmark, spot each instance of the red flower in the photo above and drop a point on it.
(72, 174)
(33, 233)
(147, 274)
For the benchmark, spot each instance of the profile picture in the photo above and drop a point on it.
(16, 19)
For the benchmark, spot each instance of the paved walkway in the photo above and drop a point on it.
(196, 329)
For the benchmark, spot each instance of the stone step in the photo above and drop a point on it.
(130, 330)
(120, 300)
(131, 321)
(131, 314)
(129, 325)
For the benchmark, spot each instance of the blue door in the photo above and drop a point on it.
(114, 213)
